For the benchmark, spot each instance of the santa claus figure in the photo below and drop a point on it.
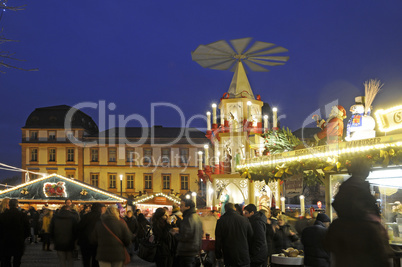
(332, 129)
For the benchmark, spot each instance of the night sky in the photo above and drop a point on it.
(134, 53)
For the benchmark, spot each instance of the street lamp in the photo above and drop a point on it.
(121, 184)
(194, 194)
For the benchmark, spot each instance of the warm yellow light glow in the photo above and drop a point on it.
(206, 146)
(389, 119)
(118, 199)
(188, 196)
(274, 109)
(214, 105)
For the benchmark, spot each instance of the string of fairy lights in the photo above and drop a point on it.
(145, 198)
(330, 153)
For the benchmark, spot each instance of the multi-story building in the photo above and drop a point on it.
(121, 160)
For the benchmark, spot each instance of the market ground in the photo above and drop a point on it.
(34, 256)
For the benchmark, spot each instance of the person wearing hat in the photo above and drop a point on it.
(176, 217)
(312, 238)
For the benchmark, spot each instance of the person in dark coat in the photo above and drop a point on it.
(357, 237)
(284, 235)
(258, 245)
(131, 222)
(33, 218)
(269, 233)
(84, 229)
(110, 251)
(315, 255)
(233, 234)
(63, 230)
(189, 235)
(160, 227)
(14, 229)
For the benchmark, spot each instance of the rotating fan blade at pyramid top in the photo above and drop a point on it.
(221, 55)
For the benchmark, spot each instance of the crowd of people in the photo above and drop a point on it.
(244, 236)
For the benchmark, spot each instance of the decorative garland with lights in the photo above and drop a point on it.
(312, 166)
(145, 198)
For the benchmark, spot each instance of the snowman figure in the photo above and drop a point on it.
(361, 125)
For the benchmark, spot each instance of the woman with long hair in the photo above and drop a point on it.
(110, 251)
(160, 227)
(4, 204)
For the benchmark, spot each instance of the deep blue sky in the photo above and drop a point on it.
(134, 53)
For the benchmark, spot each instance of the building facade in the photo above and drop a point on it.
(124, 161)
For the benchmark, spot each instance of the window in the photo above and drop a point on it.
(95, 179)
(34, 136)
(148, 181)
(94, 155)
(183, 155)
(52, 154)
(147, 156)
(166, 181)
(70, 154)
(130, 181)
(70, 175)
(112, 154)
(34, 154)
(33, 176)
(130, 154)
(112, 180)
(165, 156)
(52, 136)
(183, 182)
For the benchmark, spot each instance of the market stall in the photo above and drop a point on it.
(55, 189)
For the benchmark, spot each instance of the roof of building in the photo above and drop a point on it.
(159, 134)
(240, 86)
(56, 188)
(55, 117)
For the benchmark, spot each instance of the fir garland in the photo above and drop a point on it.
(309, 167)
(278, 141)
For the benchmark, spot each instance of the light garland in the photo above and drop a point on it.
(389, 119)
(156, 195)
(336, 151)
(67, 179)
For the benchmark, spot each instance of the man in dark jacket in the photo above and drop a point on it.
(233, 234)
(63, 230)
(189, 236)
(313, 241)
(258, 245)
(14, 229)
(85, 229)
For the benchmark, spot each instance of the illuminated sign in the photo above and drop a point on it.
(54, 189)
(389, 119)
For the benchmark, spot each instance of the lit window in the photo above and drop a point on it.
(183, 182)
(70, 154)
(148, 181)
(112, 180)
(130, 181)
(130, 154)
(52, 154)
(94, 155)
(166, 181)
(34, 154)
(112, 154)
(95, 179)
(147, 156)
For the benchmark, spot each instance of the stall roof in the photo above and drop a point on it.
(55, 188)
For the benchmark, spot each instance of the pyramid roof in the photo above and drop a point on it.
(240, 86)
